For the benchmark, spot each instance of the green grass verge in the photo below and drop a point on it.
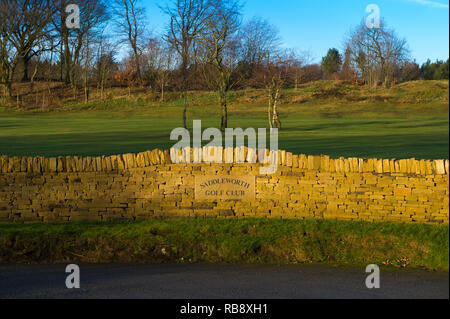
(272, 241)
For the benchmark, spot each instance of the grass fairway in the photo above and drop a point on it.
(403, 122)
(273, 241)
(108, 133)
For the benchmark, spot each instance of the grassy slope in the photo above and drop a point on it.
(408, 120)
(230, 241)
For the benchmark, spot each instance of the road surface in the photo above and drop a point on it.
(163, 281)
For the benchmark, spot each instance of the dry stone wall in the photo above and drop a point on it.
(147, 185)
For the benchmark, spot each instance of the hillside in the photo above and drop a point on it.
(51, 96)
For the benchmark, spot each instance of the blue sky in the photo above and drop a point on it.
(317, 25)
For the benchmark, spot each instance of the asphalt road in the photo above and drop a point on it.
(216, 282)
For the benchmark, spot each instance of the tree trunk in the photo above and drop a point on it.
(276, 120)
(102, 87)
(5, 93)
(162, 92)
(138, 66)
(34, 73)
(184, 109)
(223, 104)
(86, 69)
(387, 81)
(269, 110)
(9, 87)
(61, 63)
(25, 61)
(184, 66)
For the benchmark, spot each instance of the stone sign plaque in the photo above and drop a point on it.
(223, 187)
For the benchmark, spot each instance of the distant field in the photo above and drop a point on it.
(409, 120)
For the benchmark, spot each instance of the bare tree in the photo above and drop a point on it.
(348, 72)
(220, 48)
(36, 65)
(130, 23)
(93, 14)
(126, 74)
(49, 77)
(164, 69)
(377, 52)
(409, 71)
(159, 59)
(105, 64)
(299, 67)
(28, 22)
(187, 20)
(258, 37)
(8, 61)
(87, 64)
(277, 67)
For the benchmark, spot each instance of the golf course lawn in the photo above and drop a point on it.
(324, 117)
(103, 131)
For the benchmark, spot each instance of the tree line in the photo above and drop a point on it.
(206, 46)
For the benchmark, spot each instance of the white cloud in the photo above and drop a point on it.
(433, 4)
